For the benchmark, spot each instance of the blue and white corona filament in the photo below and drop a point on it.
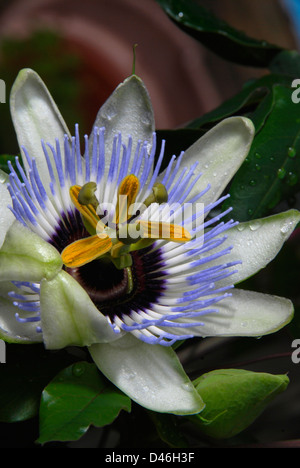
(168, 285)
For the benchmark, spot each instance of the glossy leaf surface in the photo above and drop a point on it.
(76, 398)
(226, 41)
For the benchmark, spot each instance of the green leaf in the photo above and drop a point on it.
(217, 35)
(252, 101)
(286, 63)
(75, 399)
(271, 172)
(23, 377)
(234, 398)
(168, 430)
(4, 159)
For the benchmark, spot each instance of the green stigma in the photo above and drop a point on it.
(87, 195)
(159, 195)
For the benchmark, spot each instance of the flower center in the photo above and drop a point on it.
(125, 233)
(107, 285)
(110, 263)
(102, 281)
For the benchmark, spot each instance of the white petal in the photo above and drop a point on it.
(151, 375)
(246, 313)
(257, 242)
(24, 256)
(69, 317)
(6, 216)
(35, 117)
(11, 330)
(128, 110)
(220, 153)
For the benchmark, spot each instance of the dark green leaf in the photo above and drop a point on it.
(4, 159)
(255, 95)
(168, 430)
(75, 399)
(27, 370)
(286, 63)
(271, 172)
(217, 35)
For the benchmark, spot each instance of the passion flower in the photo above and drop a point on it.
(97, 249)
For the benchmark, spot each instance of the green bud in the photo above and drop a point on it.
(234, 398)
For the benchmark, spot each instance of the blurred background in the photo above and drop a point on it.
(83, 50)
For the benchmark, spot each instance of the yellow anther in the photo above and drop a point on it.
(85, 250)
(164, 231)
(127, 193)
(127, 236)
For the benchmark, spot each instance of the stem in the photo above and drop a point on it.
(134, 56)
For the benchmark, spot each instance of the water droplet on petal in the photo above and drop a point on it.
(109, 112)
(129, 374)
(3, 177)
(255, 225)
(186, 386)
(286, 227)
(146, 118)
